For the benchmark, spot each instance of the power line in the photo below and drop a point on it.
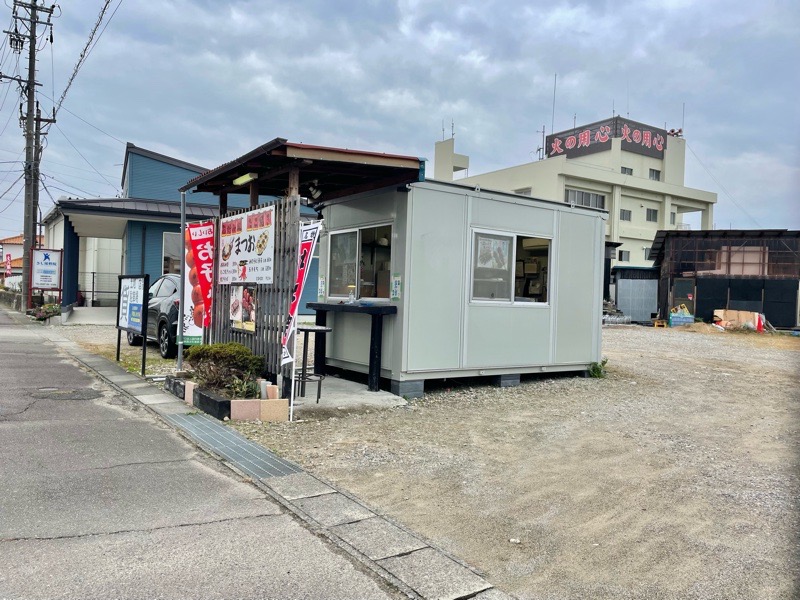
(83, 56)
(72, 186)
(86, 159)
(85, 121)
(722, 187)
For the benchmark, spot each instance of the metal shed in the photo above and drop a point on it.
(470, 282)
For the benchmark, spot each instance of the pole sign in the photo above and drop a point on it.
(199, 283)
(596, 137)
(132, 301)
(45, 269)
(309, 232)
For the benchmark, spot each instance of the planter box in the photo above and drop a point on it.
(213, 404)
(175, 386)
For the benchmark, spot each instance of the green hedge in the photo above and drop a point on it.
(230, 366)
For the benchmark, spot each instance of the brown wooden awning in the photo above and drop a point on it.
(334, 172)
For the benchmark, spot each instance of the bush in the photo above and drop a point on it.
(46, 311)
(226, 366)
(598, 370)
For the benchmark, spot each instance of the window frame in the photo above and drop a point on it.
(624, 256)
(623, 212)
(654, 213)
(673, 218)
(358, 281)
(164, 255)
(655, 175)
(514, 240)
(626, 170)
(584, 198)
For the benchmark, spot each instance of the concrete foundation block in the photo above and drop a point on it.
(408, 389)
(505, 380)
(246, 409)
(188, 392)
(276, 410)
(213, 404)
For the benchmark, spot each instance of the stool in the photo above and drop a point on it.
(305, 376)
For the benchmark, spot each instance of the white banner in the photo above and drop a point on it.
(247, 247)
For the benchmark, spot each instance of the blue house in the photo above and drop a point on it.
(136, 234)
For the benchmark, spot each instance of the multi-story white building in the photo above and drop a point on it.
(632, 170)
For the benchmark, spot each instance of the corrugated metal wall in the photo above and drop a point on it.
(637, 298)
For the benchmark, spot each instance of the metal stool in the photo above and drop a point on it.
(305, 376)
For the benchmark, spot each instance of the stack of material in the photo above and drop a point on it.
(739, 319)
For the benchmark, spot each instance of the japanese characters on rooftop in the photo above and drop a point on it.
(596, 137)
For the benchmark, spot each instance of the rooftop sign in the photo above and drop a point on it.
(596, 137)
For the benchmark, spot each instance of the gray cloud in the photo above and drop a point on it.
(206, 81)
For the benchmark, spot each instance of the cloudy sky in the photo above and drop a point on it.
(207, 80)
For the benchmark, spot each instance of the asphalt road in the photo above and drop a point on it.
(98, 499)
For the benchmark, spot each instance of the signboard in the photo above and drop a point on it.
(132, 301)
(199, 280)
(596, 137)
(242, 308)
(309, 232)
(247, 247)
(132, 304)
(45, 269)
(8, 265)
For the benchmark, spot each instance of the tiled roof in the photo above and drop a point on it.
(18, 239)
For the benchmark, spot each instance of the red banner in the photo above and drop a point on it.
(309, 232)
(8, 265)
(200, 262)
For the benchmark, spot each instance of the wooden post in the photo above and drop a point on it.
(294, 182)
(223, 203)
(254, 193)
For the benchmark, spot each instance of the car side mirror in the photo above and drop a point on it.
(149, 295)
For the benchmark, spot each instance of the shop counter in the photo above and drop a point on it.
(376, 312)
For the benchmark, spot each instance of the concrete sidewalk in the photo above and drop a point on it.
(102, 499)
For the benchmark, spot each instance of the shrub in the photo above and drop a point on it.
(46, 311)
(231, 366)
(598, 370)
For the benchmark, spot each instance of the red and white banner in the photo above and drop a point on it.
(199, 283)
(8, 265)
(309, 232)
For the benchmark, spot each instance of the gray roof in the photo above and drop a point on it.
(132, 207)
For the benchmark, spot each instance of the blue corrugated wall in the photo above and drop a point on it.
(146, 238)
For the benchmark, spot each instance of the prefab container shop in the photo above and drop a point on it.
(483, 283)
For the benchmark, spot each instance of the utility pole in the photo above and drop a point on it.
(16, 39)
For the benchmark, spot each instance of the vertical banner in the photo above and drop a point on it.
(199, 273)
(8, 265)
(309, 232)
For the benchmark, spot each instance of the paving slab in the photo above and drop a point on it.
(433, 575)
(377, 538)
(298, 485)
(333, 509)
(492, 594)
(158, 398)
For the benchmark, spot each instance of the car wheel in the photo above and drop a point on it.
(166, 344)
(133, 339)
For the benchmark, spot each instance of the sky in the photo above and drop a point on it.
(206, 81)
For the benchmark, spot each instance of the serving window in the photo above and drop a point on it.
(510, 268)
(360, 262)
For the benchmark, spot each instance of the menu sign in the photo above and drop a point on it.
(596, 137)
(247, 247)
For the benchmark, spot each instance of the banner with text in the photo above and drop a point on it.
(247, 243)
(309, 232)
(45, 269)
(199, 283)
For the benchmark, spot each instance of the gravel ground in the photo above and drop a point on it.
(676, 476)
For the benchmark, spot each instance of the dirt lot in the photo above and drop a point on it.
(677, 476)
(674, 477)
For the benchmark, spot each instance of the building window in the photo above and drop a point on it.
(171, 253)
(624, 215)
(646, 253)
(627, 171)
(652, 215)
(581, 198)
(510, 268)
(624, 256)
(655, 174)
(672, 218)
(524, 191)
(360, 262)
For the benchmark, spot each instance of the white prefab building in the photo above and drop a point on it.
(484, 283)
(632, 170)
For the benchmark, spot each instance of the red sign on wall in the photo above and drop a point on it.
(596, 137)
